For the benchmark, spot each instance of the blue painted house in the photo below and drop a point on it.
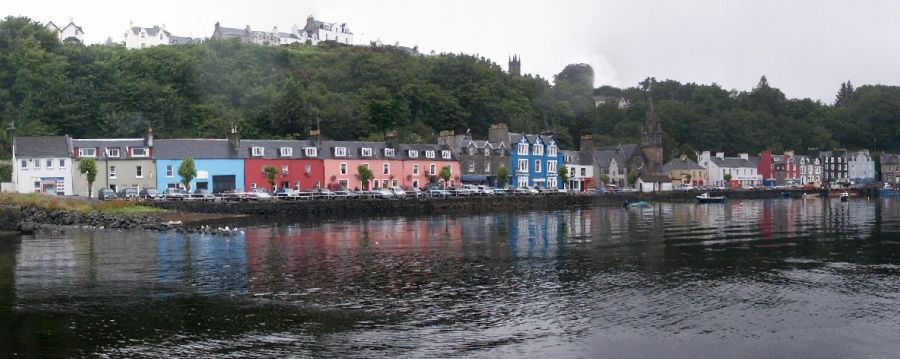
(533, 159)
(219, 163)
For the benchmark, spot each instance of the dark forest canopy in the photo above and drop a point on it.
(47, 87)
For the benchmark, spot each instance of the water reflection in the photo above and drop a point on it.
(702, 279)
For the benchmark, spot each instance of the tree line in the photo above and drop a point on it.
(358, 92)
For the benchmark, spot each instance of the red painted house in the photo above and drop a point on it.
(766, 168)
(298, 162)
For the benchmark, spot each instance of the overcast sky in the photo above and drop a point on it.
(805, 48)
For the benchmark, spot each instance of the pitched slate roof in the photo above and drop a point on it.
(679, 164)
(627, 150)
(890, 158)
(271, 148)
(44, 146)
(196, 148)
(605, 157)
(732, 162)
(580, 158)
(103, 144)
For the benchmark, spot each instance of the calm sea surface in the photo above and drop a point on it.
(790, 278)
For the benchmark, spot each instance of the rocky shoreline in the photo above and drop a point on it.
(28, 220)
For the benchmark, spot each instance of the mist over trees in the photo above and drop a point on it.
(352, 92)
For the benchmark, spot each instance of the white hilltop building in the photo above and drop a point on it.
(143, 37)
(70, 31)
(312, 33)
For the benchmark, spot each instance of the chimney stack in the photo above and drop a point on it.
(234, 139)
(445, 138)
(744, 156)
(720, 154)
(148, 137)
(499, 133)
(587, 143)
(315, 137)
(392, 139)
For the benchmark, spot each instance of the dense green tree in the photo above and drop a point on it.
(365, 175)
(502, 176)
(88, 168)
(187, 170)
(271, 172)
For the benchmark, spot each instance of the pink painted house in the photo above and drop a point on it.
(392, 164)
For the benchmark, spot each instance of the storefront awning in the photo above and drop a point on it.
(474, 178)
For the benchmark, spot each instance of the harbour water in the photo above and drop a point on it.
(791, 278)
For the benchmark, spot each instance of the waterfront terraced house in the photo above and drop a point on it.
(422, 164)
(834, 167)
(297, 162)
(890, 168)
(533, 159)
(684, 171)
(479, 160)
(219, 163)
(810, 170)
(742, 171)
(614, 162)
(341, 161)
(121, 163)
(785, 169)
(42, 165)
(580, 165)
(860, 167)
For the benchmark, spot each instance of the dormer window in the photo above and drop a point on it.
(87, 152)
(389, 152)
(538, 150)
(471, 150)
(140, 152)
(257, 151)
(113, 152)
(413, 154)
(340, 151)
(286, 151)
(523, 148)
(367, 152)
(311, 151)
(551, 151)
(429, 154)
(445, 154)
(487, 151)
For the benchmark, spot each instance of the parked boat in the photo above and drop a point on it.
(785, 194)
(628, 204)
(845, 196)
(706, 198)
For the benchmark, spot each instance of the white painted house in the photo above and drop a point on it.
(312, 33)
(861, 167)
(70, 31)
(42, 165)
(580, 165)
(143, 37)
(742, 170)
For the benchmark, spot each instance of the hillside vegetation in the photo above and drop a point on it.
(47, 87)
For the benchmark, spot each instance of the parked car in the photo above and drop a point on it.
(487, 191)
(414, 192)
(462, 192)
(106, 194)
(437, 192)
(320, 192)
(500, 191)
(287, 193)
(202, 195)
(473, 189)
(234, 195)
(149, 193)
(384, 193)
(128, 193)
(398, 192)
(259, 194)
(346, 193)
(175, 194)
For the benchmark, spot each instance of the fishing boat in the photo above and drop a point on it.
(845, 196)
(706, 198)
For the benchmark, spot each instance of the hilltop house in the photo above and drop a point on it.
(68, 32)
(312, 33)
(143, 37)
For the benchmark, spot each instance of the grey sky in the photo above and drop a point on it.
(805, 48)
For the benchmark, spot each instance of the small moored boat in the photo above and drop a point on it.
(706, 198)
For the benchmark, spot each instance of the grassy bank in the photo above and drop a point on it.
(82, 205)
